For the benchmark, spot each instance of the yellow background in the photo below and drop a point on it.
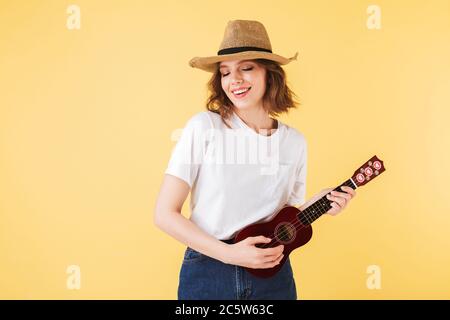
(86, 118)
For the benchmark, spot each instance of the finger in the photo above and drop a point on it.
(271, 264)
(336, 206)
(325, 191)
(341, 194)
(258, 239)
(319, 195)
(275, 251)
(342, 202)
(349, 190)
(273, 257)
(335, 199)
(335, 209)
(278, 260)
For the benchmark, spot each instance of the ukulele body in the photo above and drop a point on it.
(284, 228)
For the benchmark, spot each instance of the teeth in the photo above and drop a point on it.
(240, 91)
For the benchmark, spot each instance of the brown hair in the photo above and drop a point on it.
(277, 99)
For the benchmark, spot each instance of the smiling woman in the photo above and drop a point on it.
(247, 89)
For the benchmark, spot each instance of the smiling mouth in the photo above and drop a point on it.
(241, 93)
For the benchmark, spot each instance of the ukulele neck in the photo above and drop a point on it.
(367, 172)
(321, 206)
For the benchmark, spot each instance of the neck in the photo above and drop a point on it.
(256, 118)
(321, 206)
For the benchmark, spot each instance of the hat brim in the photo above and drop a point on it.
(209, 63)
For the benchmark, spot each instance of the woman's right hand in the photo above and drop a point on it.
(246, 254)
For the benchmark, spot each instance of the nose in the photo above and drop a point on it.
(237, 81)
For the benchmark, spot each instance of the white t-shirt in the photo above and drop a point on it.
(238, 176)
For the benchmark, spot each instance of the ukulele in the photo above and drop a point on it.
(291, 227)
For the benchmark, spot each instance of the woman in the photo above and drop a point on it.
(248, 86)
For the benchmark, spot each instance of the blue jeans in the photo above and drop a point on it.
(202, 277)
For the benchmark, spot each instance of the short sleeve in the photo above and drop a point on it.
(298, 194)
(187, 154)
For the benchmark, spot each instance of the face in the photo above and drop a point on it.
(243, 74)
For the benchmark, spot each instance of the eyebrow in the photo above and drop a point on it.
(243, 61)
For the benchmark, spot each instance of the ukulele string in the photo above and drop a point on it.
(274, 239)
(295, 223)
(298, 222)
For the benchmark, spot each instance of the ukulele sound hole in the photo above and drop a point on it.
(285, 232)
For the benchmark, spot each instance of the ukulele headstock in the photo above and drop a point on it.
(368, 171)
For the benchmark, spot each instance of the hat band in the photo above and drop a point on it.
(241, 49)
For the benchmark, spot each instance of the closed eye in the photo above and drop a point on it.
(246, 69)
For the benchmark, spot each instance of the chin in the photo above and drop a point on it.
(242, 105)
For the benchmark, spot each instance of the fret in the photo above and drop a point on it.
(321, 206)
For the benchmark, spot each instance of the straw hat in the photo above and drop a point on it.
(243, 40)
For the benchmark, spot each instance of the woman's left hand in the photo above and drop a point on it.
(340, 199)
